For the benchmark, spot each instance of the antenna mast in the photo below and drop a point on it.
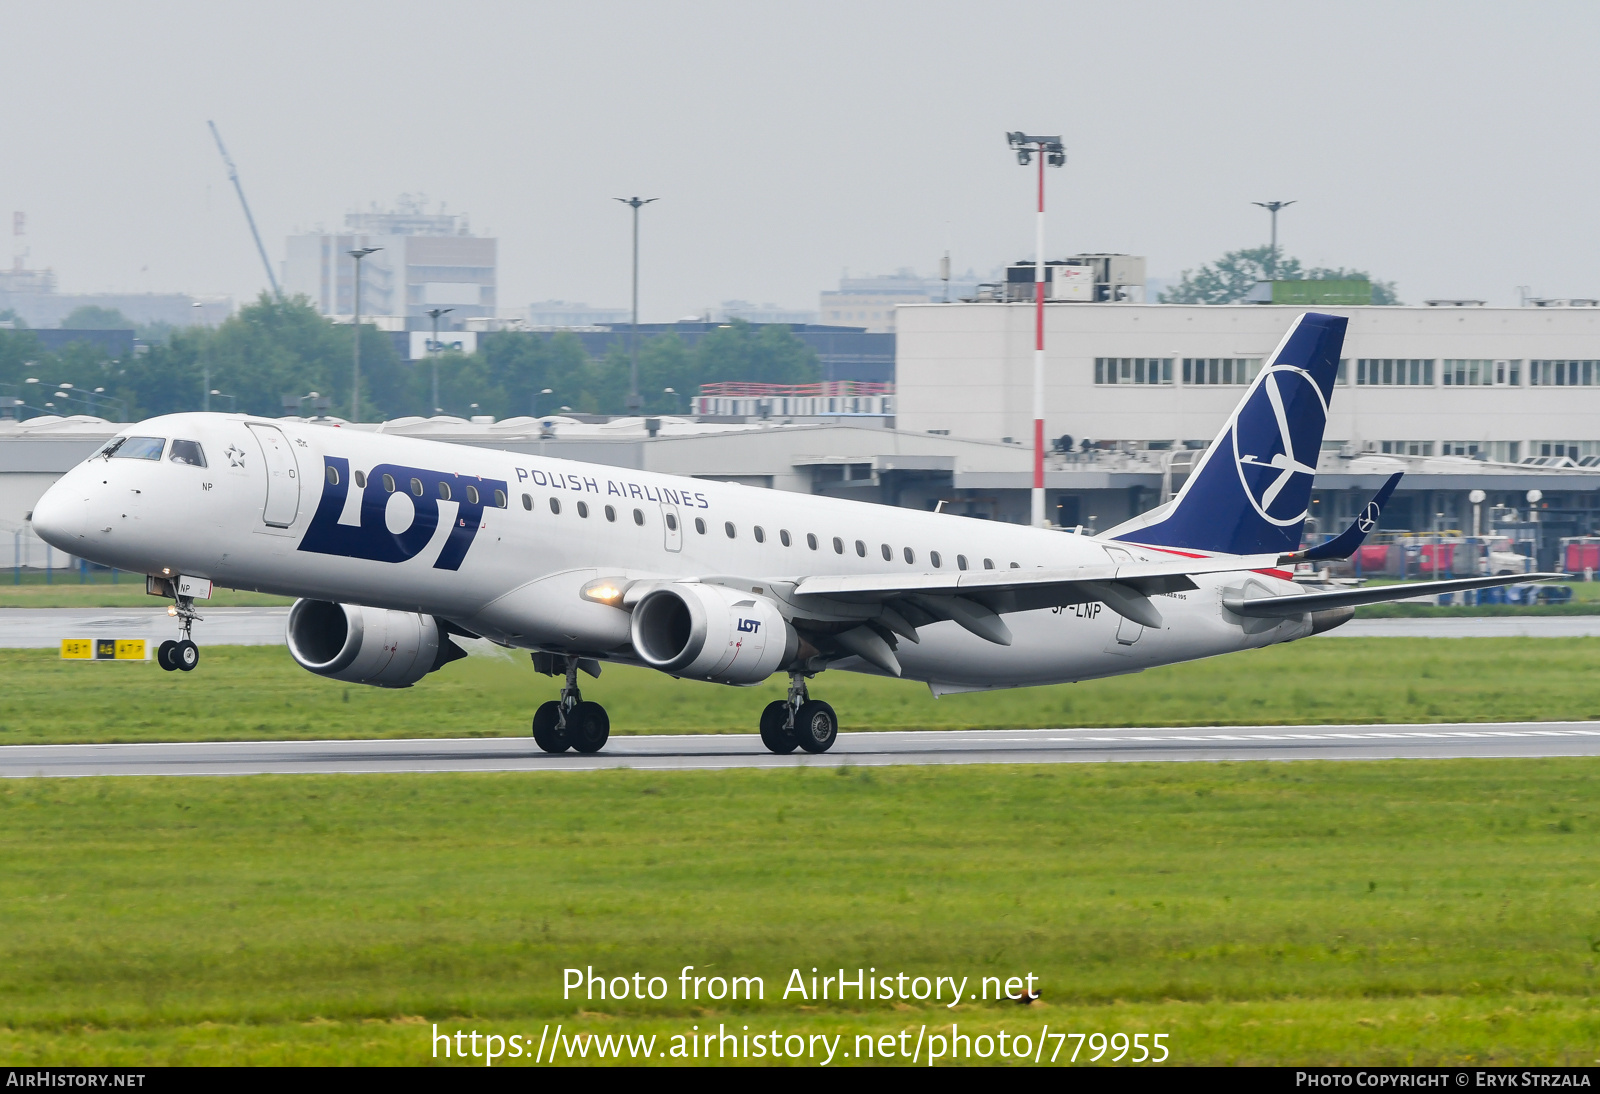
(233, 177)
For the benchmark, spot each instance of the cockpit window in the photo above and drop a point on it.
(138, 448)
(188, 452)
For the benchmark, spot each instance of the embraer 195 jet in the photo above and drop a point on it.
(395, 545)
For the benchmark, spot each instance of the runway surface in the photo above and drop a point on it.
(44, 628)
(722, 751)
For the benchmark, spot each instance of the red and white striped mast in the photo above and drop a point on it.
(1051, 150)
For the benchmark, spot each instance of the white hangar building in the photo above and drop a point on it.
(1461, 397)
(1500, 383)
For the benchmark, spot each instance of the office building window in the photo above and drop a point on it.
(1394, 372)
(1573, 450)
(1220, 370)
(1469, 373)
(1133, 370)
(1460, 448)
(1564, 373)
(1407, 448)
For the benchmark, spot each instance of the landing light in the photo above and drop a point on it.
(605, 591)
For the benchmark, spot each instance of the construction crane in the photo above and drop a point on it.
(233, 177)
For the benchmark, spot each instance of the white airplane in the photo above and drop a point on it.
(393, 545)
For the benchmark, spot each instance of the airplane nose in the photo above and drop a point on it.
(60, 517)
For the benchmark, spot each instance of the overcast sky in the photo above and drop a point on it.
(1449, 147)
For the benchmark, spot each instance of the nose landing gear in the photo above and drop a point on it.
(183, 653)
(569, 722)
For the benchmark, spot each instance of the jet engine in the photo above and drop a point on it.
(708, 632)
(360, 645)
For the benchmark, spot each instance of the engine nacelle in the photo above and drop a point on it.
(708, 632)
(360, 645)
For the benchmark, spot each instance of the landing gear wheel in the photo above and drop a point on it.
(547, 731)
(186, 656)
(775, 731)
(164, 655)
(816, 726)
(589, 727)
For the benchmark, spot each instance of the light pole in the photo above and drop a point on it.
(1049, 150)
(205, 365)
(1273, 207)
(221, 395)
(541, 391)
(433, 351)
(672, 392)
(634, 402)
(355, 373)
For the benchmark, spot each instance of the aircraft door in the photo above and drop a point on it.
(671, 526)
(283, 476)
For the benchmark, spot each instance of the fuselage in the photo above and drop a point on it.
(503, 544)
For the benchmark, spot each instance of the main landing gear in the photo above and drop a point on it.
(182, 653)
(798, 721)
(569, 722)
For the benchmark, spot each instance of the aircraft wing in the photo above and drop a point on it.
(1300, 603)
(976, 600)
(1147, 578)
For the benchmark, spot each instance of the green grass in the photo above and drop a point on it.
(1396, 912)
(258, 693)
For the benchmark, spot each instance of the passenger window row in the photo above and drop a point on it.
(910, 555)
(732, 532)
(583, 511)
(469, 491)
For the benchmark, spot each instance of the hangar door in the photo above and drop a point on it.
(283, 476)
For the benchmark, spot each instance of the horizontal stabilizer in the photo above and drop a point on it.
(1301, 603)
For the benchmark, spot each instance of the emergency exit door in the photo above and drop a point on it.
(671, 526)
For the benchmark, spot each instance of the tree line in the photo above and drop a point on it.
(1230, 278)
(272, 349)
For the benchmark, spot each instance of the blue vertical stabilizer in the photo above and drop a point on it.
(1251, 491)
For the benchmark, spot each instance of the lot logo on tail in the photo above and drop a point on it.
(394, 489)
(1278, 480)
(1251, 491)
(1368, 520)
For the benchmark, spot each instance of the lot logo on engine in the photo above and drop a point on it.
(750, 626)
(421, 488)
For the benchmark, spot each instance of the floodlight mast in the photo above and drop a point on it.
(1049, 150)
(233, 177)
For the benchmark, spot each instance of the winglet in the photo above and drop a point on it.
(1345, 543)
